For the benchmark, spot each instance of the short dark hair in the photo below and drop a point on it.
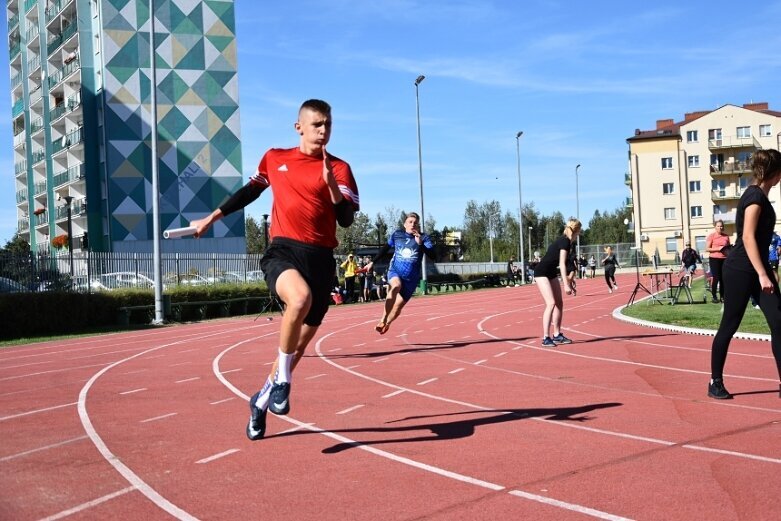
(316, 105)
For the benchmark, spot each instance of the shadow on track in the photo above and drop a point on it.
(462, 428)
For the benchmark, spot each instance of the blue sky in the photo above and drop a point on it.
(576, 77)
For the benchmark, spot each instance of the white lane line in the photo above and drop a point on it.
(155, 356)
(335, 349)
(315, 376)
(136, 371)
(222, 401)
(296, 429)
(401, 335)
(568, 506)
(188, 350)
(350, 409)
(454, 371)
(38, 449)
(217, 456)
(180, 363)
(379, 360)
(88, 504)
(394, 393)
(232, 370)
(500, 354)
(731, 453)
(418, 331)
(424, 382)
(187, 380)
(359, 345)
(39, 373)
(405, 353)
(516, 348)
(353, 366)
(133, 391)
(19, 415)
(158, 417)
(480, 362)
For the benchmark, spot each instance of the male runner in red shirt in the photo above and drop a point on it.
(313, 191)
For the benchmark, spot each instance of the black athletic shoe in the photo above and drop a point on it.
(717, 390)
(548, 342)
(561, 339)
(256, 426)
(279, 401)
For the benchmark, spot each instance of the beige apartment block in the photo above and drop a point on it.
(686, 175)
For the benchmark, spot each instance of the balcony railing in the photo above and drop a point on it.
(33, 64)
(74, 173)
(36, 125)
(16, 80)
(13, 22)
(32, 31)
(41, 219)
(628, 179)
(64, 72)
(39, 188)
(23, 225)
(77, 208)
(18, 108)
(19, 138)
(15, 49)
(21, 196)
(727, 217)
(38, 155)
(734, 142)
(68, 140)
(629, 203)
(56, 40)
(722, 194)
(20, 167)
(55, 9)
(28, 4)
(738, 167)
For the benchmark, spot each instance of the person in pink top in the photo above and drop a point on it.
(717, 245)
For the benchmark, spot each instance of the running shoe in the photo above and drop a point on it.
(561, 339)
(615, 286)
(256, 426)
(548, 342)
(717, 390)
(279, 400)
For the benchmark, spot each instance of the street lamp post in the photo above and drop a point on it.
(530, 242)
(68, 200)
(418, 81)
(520, 207)
(577, 206)
(156, 236)
(491, 235)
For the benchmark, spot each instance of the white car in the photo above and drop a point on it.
(122, 279)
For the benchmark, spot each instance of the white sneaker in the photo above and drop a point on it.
(609, 290)
(615, 286)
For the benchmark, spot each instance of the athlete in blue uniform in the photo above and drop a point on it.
(409, 245)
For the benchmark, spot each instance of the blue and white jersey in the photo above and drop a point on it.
(775, 242)
(407, 254)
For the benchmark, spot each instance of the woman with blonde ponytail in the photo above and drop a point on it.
(552, 266)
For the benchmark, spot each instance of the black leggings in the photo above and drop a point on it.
(610, 276)
(717, 276)
(741, 286)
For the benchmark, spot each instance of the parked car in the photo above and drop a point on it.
(122, 279)
(11, 286)
(255, 275)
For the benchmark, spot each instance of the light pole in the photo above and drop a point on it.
(68, 200)
(158, 263)
(491, 234)
(418, 81)
(577, 207)
(520, 207)
(530, 242)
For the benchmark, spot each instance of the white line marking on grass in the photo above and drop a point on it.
(133, 391)
(314, 376)
(36, 411)
(222, 401)
(454, 371)
(38, 449)
(159, 417)
(217, 456)
(88, 504)
(394, 393)
(350, 409)
(188, 380)
(568, 506)
(424, 382)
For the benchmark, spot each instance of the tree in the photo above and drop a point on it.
(608, 228)
(361, 232)
(254, 234)
(17, 245)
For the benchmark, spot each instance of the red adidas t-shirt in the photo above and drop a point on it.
(302, 209)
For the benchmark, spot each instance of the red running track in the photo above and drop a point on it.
(456, 413)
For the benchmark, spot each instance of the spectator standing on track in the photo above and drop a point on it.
(313, 191)
(689, 259)
(546, 273)
(717, 246)
(610, 263)
(511, 271)
(582, 265)
(404, 271)
(350, 267)
(368, 280)
(748, 270)
(592, 264)
(773, 250)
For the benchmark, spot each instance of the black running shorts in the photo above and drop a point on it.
(315, 264)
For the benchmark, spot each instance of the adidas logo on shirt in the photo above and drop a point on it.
(282, 168)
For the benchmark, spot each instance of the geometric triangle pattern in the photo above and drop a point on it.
(199, 140)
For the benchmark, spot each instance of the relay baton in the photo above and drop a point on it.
(175, 233)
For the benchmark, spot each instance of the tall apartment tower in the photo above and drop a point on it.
(686, 175)
(81, 95)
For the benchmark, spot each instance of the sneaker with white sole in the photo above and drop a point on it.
(561, 339)
(548, 342)
(279, 399)
(256, 426)
(717, 390)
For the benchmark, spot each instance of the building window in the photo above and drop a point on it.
(667, 163)
(694, 161)
(668, 188)
(699, 242)
(743, 132)
(718, 209)
(696, 211)
(669, 213)
(695, 186)
(714, 133)
(691, 136)
(765, 130)
(672, 244)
